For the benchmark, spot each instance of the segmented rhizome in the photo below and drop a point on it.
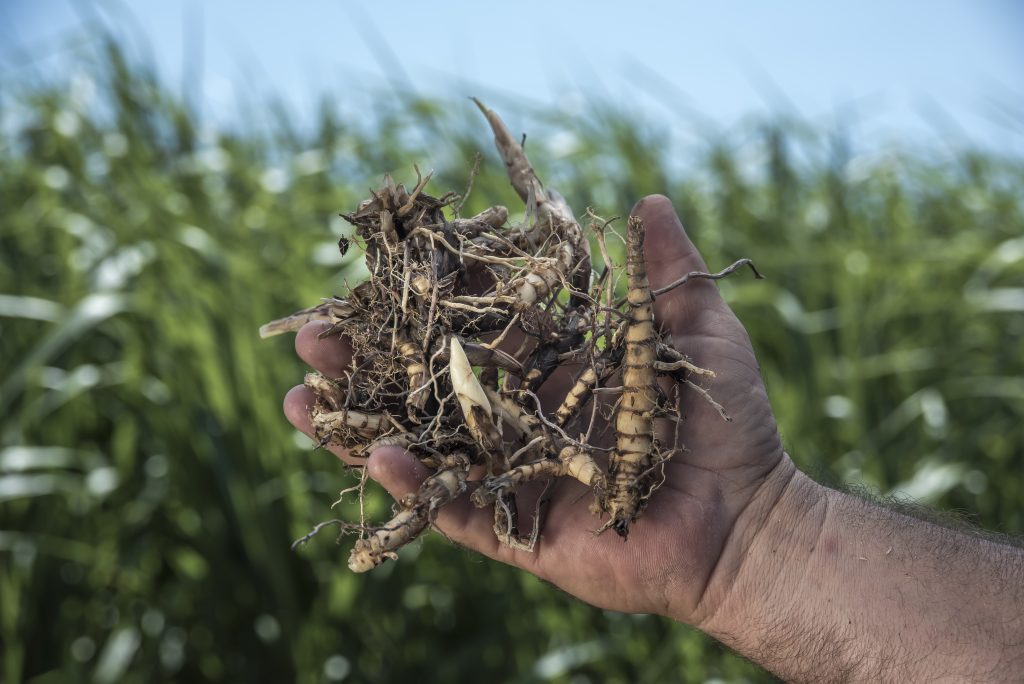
(460, 323)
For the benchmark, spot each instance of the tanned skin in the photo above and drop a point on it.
(811, 583)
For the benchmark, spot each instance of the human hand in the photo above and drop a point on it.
(684, 549)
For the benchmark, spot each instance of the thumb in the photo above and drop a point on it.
(670, 255)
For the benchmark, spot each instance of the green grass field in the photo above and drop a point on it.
(150, 486)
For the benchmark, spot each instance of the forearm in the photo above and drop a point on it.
(833, 588)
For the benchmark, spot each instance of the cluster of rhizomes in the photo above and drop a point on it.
(422, 322)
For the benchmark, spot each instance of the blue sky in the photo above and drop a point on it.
(922, 71)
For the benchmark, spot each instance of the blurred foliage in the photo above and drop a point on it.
(150, 487)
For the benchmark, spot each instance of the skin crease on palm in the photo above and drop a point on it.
(683, 550)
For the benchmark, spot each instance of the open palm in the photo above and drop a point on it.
(675, 549)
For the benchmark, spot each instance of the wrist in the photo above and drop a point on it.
(765, 557)
(816, 585)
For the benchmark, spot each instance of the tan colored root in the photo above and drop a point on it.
(571, 462)
(506, 522)
(580, 392)
(675, 363)
(416, 370)
(365, 424)
(332, 311)
(416, 512)
(511, 413)
(490, 489)
(629, 478)
(581, 466)
(327, 390)
(550, 207)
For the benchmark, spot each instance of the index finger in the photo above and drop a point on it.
(329, 355)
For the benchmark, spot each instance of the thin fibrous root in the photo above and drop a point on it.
(416, 511)
(679, 367)
(731, 268)
(345, 526)
(706, 396)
